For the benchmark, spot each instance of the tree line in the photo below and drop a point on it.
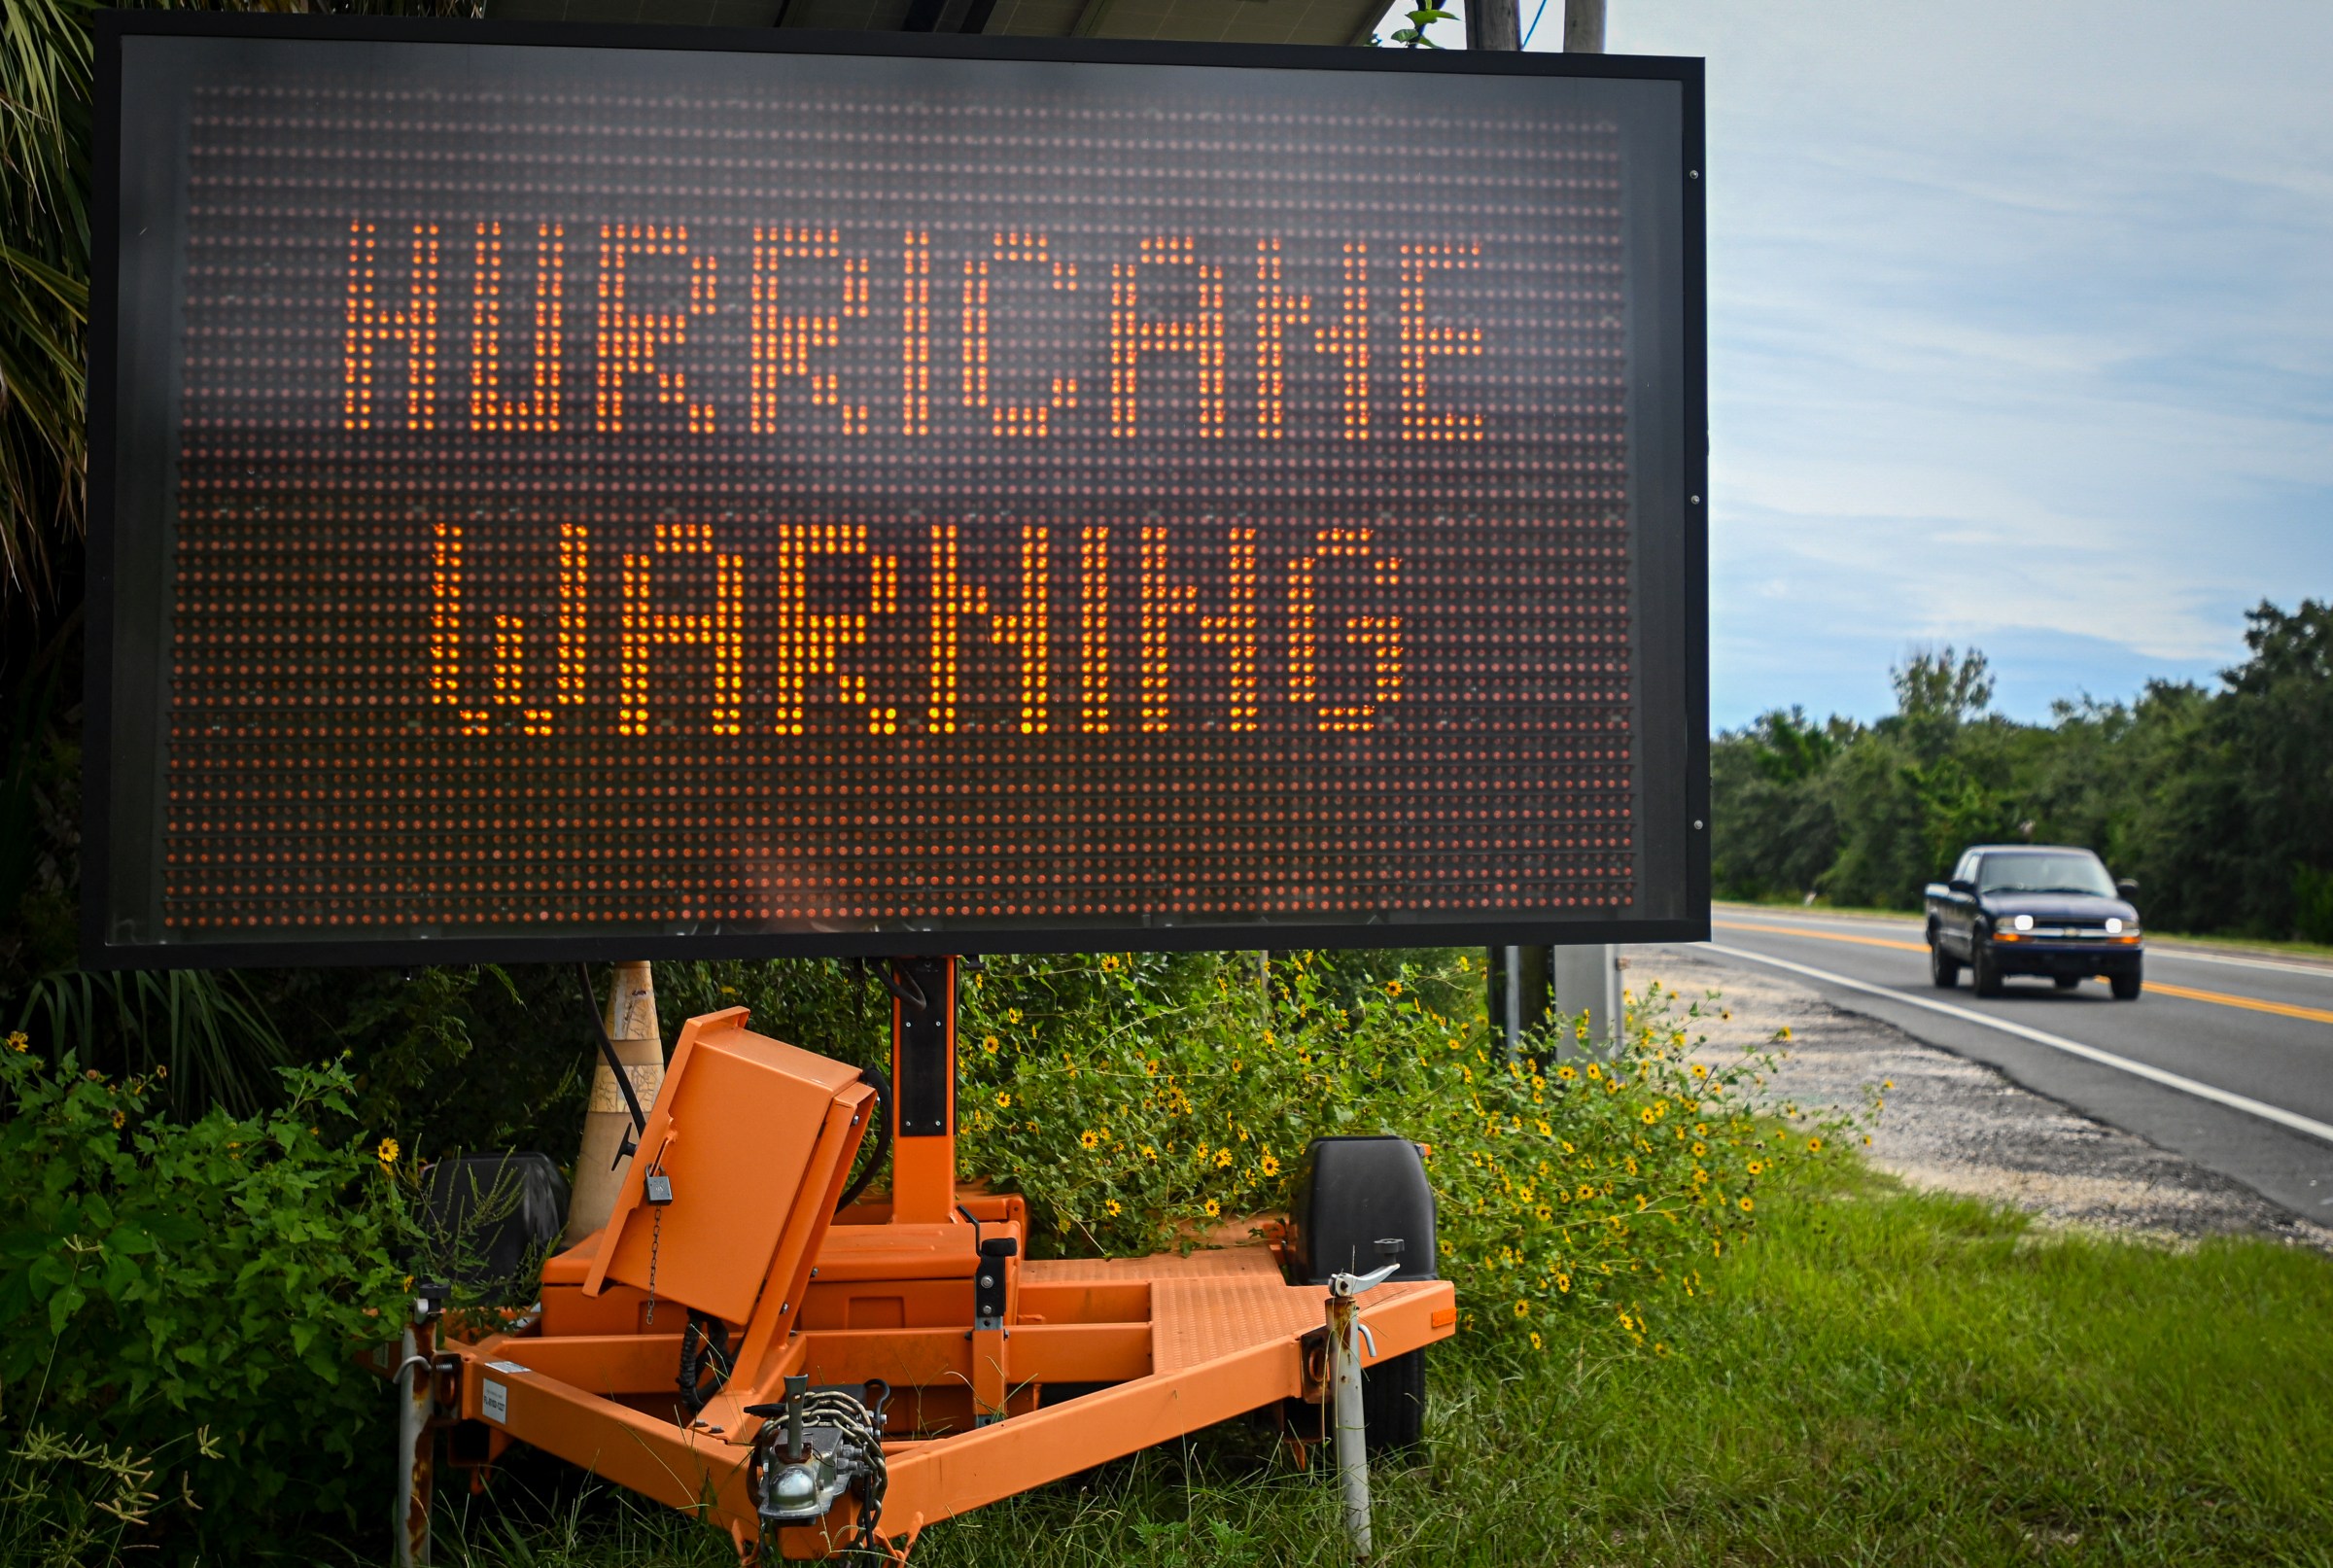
(2217, 799)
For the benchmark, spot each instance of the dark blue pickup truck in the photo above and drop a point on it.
(2033, 909)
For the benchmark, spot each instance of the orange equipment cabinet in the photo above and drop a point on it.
(989, 1372)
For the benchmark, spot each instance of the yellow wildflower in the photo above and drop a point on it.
(1213, 1208)
(20, 1042)
(1003, 1099)
(1747, 1205)
(988, 1043)
(1088, 1139)
(1111, 1208)
(388, 1152)
(1269, 1166)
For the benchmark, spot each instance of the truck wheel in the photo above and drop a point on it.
(1943, 972)
(1984, 972)
(2125, 985)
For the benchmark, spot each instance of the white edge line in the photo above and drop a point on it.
(2183, 956)
(2056, 1042)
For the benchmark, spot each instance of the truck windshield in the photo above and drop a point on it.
(2044, 874)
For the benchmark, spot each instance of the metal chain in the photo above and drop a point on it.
(655, 1239)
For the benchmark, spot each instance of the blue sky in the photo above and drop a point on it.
(2021, 322)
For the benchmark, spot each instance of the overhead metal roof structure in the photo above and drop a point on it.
(1213, 22)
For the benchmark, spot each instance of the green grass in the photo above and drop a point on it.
(1880, 1377)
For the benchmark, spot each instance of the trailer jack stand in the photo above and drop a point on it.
(1345, 1333)
(416, 1427)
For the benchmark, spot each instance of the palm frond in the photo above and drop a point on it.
(46, 57)
(203, 1026)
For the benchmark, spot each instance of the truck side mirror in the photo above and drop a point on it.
(2128, 888)
(1961, 885)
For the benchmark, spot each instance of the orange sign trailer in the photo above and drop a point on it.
(989, 1372)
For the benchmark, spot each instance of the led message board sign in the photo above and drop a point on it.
(569, 491)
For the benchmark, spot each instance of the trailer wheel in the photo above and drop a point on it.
(1393, 1409)
(1393, 1403)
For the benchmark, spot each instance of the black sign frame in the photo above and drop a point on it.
(1683, 656)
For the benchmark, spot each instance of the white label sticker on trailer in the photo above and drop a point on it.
(505, 1366)
(494, 1402)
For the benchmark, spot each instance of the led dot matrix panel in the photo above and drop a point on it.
(843, 494)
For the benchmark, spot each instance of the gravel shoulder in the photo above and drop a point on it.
(1954, 1125)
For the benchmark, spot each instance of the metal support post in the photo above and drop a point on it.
(1346, 1333)
(1587, 980)
(922, 1089)
(1515, 1002)
(416, 1439)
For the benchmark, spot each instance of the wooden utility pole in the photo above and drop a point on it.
(1583, 26)
(631, 1023)
(1494, 24)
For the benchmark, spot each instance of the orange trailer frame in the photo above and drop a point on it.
(1089, 1360)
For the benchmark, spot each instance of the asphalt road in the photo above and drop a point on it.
(2225, 1059)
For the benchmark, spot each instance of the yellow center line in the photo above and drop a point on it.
(2315, 1015)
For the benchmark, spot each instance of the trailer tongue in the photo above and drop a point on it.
(812, 1380)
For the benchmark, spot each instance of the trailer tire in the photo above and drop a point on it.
(1393, 1404)
(1393, 1409)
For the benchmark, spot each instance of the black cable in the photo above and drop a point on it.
(895, 979)
(704, 1347)
(883, 1136)
(615, 1065)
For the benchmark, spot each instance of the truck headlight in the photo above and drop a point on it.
(2023, 922)
(2113, 924)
